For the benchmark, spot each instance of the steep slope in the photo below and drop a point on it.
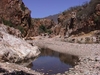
(14, 14)
(41, 26)
(85, 18)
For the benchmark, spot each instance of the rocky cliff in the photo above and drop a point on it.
(41, 26)
(79, 19)
(14, 14)
(74, 21)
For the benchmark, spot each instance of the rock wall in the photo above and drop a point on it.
(41, 26)
(79, 19)
(15, 14)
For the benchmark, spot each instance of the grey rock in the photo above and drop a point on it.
(14, 49)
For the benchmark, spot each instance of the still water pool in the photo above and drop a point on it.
(51, 62)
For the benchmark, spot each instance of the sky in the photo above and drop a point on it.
(44, 8)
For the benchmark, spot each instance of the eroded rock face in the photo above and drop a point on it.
(56, 29)
(72, 23)
(41, 26)
(14, 13)
(14, 49)
(10, 30)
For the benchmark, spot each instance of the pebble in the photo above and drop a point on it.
(97, 58)
(87, 66)
(7, 62)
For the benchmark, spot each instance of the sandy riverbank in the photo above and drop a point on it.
(68, 48)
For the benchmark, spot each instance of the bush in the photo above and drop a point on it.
(83, 12)
(9, 23)
(97, 19)
(23, 7)
(49, 31)
(6, 22)
(42, 29)
(21, 29)
(88, 9)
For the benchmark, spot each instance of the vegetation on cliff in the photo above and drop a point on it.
(85, 18)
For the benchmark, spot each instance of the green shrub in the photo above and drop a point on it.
(23, 7)
(71, 9)
(42, 29)
(9, 23)
(21, 29)
(49, 31)
(6, 22)
(84, 11)
(87, 9)
(97, 19)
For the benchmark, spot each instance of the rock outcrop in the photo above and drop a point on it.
(14, 14)
(79, 19)
(10, 30)
(14, 49)
(41, 26)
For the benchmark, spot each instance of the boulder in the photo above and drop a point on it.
(10, 30)
(14, 49)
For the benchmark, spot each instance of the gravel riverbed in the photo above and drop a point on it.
(89, 55)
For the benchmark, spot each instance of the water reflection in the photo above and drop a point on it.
(51, 62)
(65, 58)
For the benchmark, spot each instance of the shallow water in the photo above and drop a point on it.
(51, 62)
